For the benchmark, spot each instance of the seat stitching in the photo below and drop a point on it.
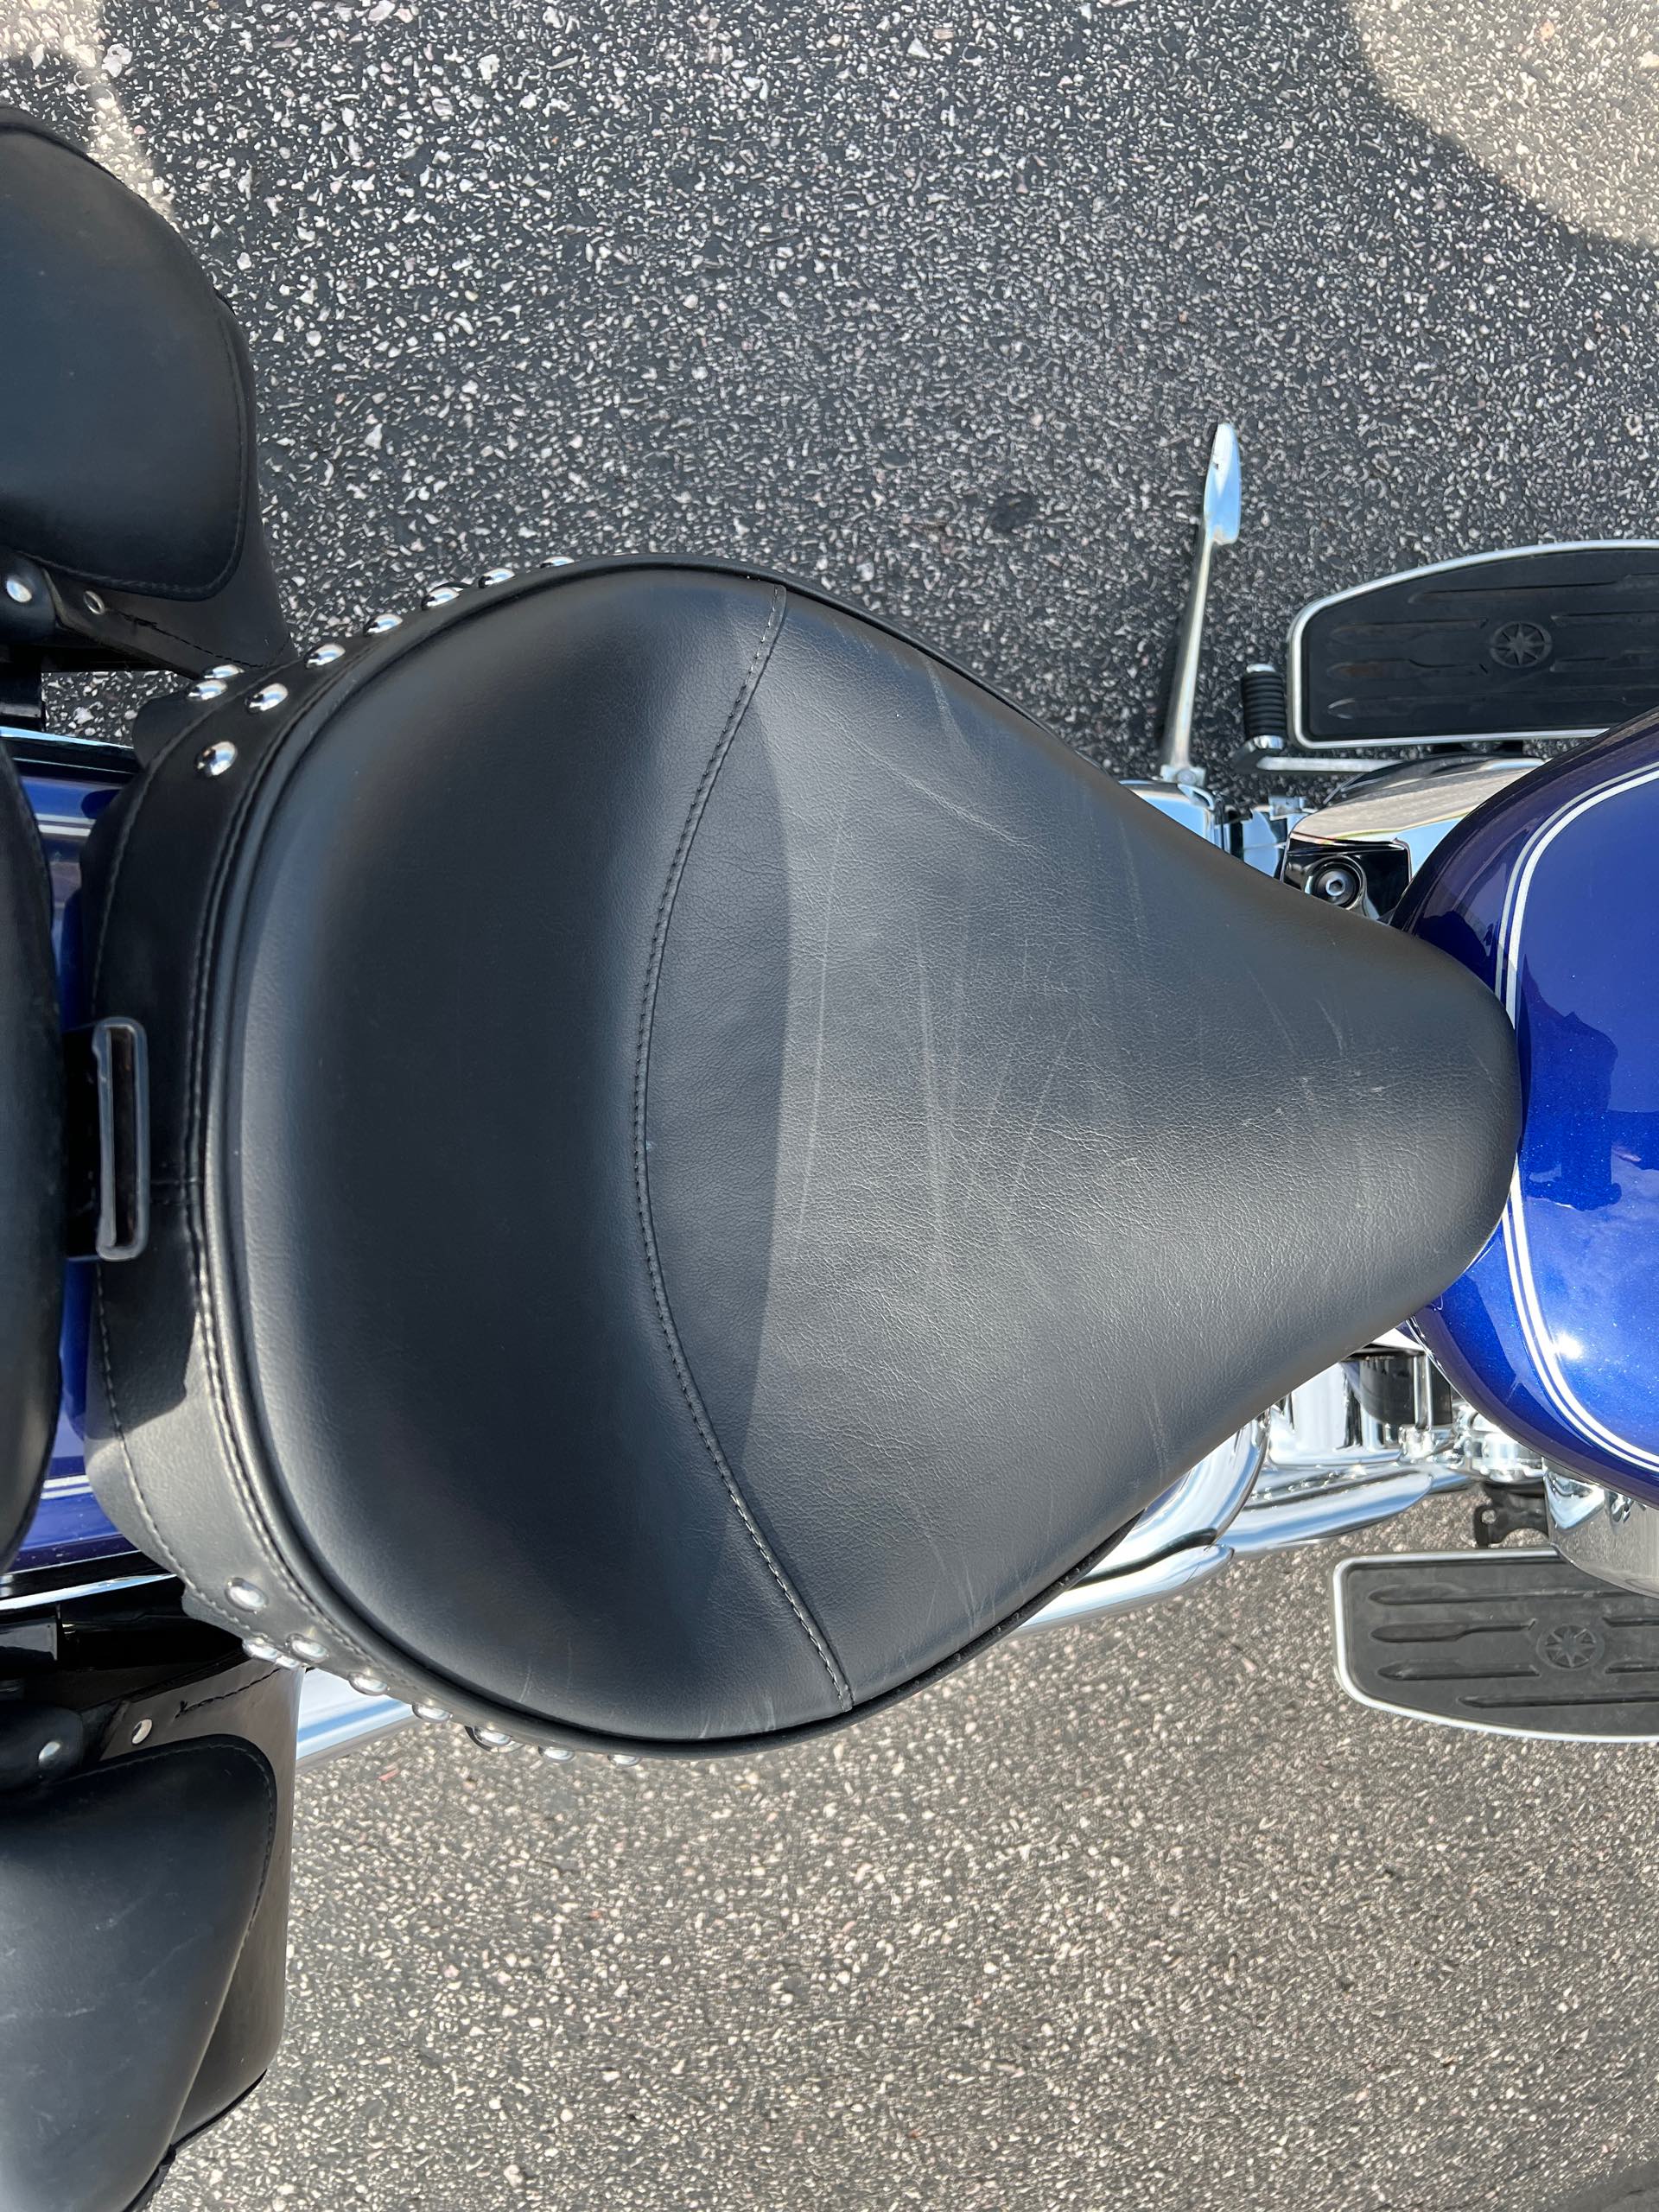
(194, 1192)
(740, 705)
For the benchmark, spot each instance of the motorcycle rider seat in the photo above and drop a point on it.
(704, 1164)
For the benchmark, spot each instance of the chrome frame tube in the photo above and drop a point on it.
(1317, 1465)
(333, 1717)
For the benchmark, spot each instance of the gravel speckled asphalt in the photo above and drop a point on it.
(939, 305)
(1127, 1915)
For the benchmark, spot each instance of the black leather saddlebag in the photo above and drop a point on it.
(143, 1924)
(702, 1163)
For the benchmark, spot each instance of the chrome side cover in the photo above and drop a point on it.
(1364, 847)
(1607, 1533)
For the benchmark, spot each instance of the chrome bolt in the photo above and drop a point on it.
(246, 1596)
(141, 1731)
(93, 602)
(556, 561)
(368, 1685)
(1339, 883)
(558, 1753)
(223, 670)
(490, 1740)
(377, 625)
(269, 695)
(498, 575)
(217, 757)
(426, 1711)
(311, 1649)
(441, 594)
(16, 589)
(325, 656)
(209, 688)
(260, 1647)
(623, 1758)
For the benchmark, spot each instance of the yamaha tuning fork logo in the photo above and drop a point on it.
(1520, 645)
(1569, 1647)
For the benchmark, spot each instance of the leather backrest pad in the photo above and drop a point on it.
(127, 459)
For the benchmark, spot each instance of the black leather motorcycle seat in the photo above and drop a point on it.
(704, 1163)
(31, 1165)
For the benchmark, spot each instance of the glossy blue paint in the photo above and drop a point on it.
(69, 1527)
(1550, 893)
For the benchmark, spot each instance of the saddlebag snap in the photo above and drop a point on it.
(702, 1165)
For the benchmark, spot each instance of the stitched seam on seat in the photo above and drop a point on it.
(195, 1196)
(688, 1391)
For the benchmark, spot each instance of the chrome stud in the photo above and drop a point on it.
(217, 758)
(311, 1649)
(268, 696)
(246, 1596)
(261, 1647)
(623, 1758)
(48, 1750)
(441, 594)
(368, 1685)
(93, 602)
(223, 670)
(209, 688)
(498, 575)
(22, 595)
(558, 1753)
(556, 561)
(326, 656)
(426, 1711)
(377, 625)
(490, 1740)
(141, 1731)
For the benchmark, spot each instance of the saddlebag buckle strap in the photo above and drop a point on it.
(106, 1135)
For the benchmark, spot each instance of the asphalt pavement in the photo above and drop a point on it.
(939, 307)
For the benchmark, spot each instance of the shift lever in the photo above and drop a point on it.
(1218, 525)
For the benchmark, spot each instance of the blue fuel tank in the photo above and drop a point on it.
(1550, 893)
